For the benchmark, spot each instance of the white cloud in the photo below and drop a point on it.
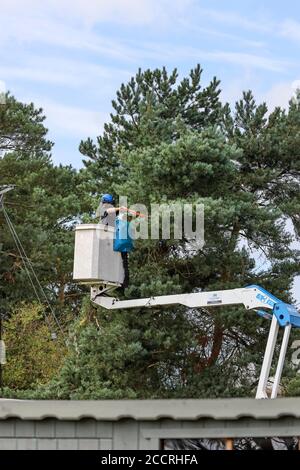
(296, 85)
(278, 95)
(232, 90)
(73, 121)
(35, 74)
(69, 121)
(91, 12)
(2, 86)
(67, 24)
(70, 24)
(222, 34)
(246, 60)
(47, 31)
(57, 71)
(235, 19)
(290, 29)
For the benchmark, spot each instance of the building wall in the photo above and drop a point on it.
(90, 434)
(140, 424)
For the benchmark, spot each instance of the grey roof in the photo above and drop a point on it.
(145, 410)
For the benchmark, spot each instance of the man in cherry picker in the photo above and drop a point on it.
(119, 218)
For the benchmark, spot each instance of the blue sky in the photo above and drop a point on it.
(70, 57)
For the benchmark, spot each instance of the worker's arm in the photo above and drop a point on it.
(112, 210)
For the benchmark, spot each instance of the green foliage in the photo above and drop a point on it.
(32, 356)
(293, 387)
(154, 102)
(22, 129)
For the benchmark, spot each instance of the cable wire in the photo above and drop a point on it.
(27, 263)
(24, 259)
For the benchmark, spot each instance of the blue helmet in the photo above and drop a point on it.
(107, 198)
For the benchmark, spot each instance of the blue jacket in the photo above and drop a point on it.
(123, 242)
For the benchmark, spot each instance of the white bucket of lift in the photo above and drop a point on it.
(95, 261)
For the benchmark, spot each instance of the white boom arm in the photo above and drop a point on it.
(247, 296)
(252, 297)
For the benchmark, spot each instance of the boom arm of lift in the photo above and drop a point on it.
(252, 297)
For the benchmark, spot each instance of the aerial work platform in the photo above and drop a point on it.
(95, 262)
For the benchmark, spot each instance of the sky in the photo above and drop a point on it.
(70, 56)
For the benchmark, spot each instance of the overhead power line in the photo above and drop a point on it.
(28, 266)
